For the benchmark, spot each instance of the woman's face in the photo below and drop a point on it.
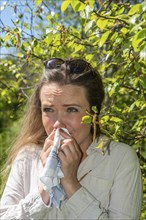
(63, 107)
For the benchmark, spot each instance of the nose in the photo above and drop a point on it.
(59, 122)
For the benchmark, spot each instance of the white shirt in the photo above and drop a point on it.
(111, 187)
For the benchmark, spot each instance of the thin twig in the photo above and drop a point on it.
(111, 18)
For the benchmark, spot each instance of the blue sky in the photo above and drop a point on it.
(6, 14)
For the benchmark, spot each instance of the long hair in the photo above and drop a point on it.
(32, 130)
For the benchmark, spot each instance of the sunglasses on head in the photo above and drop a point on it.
(75, 65)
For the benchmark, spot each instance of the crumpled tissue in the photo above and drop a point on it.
(52, 173)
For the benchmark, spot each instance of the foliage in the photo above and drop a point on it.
(109, 34)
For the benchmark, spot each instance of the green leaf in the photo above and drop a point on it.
(26, 25)
(38, 2)
(34, 43)
(4, 93)
(124, 30)
(89, 57)
(120, 10)
(65, 4)
(137, 8)
(144, 5)
(78, 48)
(104, 119)
(91, 3)
(104, 37)
(49, 38)
(37, 49)
(143, 81)
(101, 23)
(131, 107)
(77, 5)
(137, 66)
(86, 13)
(94, 109)
(143, 53)
(75, 32)
(18, 75)
(138, 103)
(20, 55)
(115, 119)
(138, 38)
(137, 125)
(7, 37)
(87, 119)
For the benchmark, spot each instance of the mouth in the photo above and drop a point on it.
(66, 131)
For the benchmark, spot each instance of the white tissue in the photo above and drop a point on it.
(52, 173)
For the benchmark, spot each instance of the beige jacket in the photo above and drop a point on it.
(111, 187)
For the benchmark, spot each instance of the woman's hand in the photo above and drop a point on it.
(47, 148)
(70, 156)
(43, 156)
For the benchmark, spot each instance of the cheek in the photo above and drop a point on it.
(47, 123)
(82, 133)
(80, 129)
(75, 122)
(85, 128)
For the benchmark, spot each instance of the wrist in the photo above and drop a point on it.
(44, 195)
(70, 187)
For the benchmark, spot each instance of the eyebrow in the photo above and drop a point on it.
(65, 105)
(72, 104)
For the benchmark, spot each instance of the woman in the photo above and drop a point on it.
(97, 186)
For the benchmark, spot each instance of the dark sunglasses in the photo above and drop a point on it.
(75, 65)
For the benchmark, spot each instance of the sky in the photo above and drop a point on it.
(6, 16)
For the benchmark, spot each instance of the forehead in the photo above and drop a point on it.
(65, 93)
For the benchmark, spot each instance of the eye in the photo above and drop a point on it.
(46, 109)
(72, 109)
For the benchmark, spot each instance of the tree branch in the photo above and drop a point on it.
(130, 87)
(110, 18)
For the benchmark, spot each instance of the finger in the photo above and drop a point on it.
(70, 151)
(49, 141)
(68, 157)
(47, 144)
(65, 149)
(51, 135)
(73, 145)
(44, 155)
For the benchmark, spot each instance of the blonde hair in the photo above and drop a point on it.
(31, 131)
